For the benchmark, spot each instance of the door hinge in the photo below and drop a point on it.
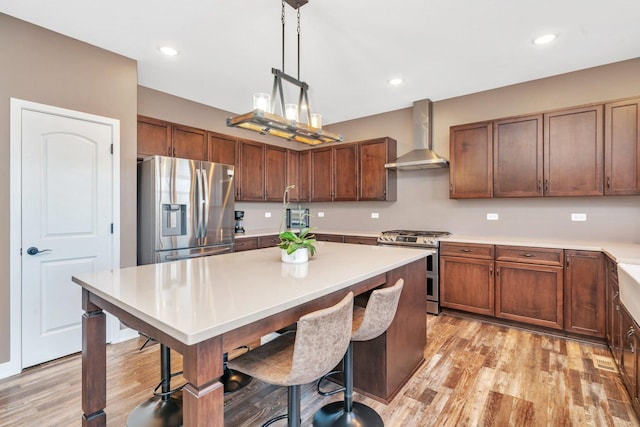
(111, 148)
(111, 228)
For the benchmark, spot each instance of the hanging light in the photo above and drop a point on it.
(288, 124)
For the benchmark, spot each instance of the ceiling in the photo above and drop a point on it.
(349, 49)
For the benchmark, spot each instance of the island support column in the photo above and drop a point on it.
(203, 396)
(94, 364)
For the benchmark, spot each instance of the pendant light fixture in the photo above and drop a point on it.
(296, 122)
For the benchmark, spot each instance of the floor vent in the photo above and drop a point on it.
(605, 363)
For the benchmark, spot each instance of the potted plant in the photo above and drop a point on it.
(296, 248)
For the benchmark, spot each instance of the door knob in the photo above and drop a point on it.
(35, 251)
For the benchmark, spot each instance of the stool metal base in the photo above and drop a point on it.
(334, 415)
(155, 412)
(234, 381)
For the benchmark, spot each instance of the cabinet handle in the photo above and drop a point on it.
(465, 250)
(608, 183)
(526, 255)
(630, 333)
(567, 264)
(451, 188)
(491, 272)
(169, 151)
(546, 185)
(539, 185)
(497, 272)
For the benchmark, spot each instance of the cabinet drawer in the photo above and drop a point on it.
(361, 240)
(330, 238)
(268, 241)
(246, 244)
(468, 250)
(529, 255)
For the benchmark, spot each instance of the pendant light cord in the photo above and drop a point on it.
(298, 29)
(282, 19)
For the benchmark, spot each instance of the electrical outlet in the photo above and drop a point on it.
(578, 217)
(375, 215)
(267, 214)
(320, 214)
(492, 217)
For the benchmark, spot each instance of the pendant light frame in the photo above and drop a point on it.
(269, 123)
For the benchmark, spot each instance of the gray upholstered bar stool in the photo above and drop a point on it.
(302, 356)
(368, 323)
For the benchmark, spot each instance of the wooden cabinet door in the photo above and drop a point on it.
(573, 152)
(245, 244)
(293, 166)
(154, 137)
(613, 307)
(530, 293)
(517, 157)
(622, 147)
(222, 148)
(629, 353)
(336, 238)
(345, 172)
(321, 174)
(470, 157)
(275, 173)
(304, 176)
(189, 143)
(467, 284)
(375, 182)
(584, 302)
(250, 179)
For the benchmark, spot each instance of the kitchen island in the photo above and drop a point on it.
(205, 307)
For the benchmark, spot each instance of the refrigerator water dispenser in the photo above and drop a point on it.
(174, 220)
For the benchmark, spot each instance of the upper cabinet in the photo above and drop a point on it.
(470, 154)
(517, 157)
(340, 172)
(250, 174)
(587, 151)
(157, 137)
(573, 152)
(622, 147)
(222, 148)
(154, 137)
(374, 181)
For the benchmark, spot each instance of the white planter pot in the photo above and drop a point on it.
(297, 257)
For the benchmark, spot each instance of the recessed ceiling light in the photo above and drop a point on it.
(169, 51)
(544, 39)
(396, 81)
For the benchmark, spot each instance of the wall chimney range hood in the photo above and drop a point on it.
(422, 156)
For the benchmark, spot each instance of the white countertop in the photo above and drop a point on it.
(197, 299)
(621, 252)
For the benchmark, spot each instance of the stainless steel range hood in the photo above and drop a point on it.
(422, 156)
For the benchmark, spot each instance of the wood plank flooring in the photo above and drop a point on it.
(475, 374)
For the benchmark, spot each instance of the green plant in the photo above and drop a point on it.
(290, 240)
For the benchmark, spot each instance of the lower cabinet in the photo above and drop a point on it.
(337, 238)
(629, 356)
(245, 244)
(529, 285)
(466, 277)
(584, 303)
(613, 308)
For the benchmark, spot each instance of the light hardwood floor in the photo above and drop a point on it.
(475, 374)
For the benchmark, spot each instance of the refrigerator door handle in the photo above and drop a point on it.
(198, 206)
(205, 203)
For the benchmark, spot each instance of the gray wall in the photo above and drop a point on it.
(49, 68)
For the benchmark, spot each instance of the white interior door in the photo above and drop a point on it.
(67, 217)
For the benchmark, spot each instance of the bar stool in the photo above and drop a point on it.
(298, 358)
(368, 324)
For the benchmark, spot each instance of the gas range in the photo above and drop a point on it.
(416, 238)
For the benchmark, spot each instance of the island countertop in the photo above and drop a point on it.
(196, 299)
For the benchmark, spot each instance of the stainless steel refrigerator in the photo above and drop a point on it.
(185, 209)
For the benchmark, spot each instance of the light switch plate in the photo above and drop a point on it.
(492, 217)
(320, 214)
(267, 214)
(578, 217)
(375, 215)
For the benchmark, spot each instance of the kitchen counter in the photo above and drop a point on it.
(621, 252)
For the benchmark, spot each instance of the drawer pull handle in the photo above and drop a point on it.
(527, 255)
(465, 250)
